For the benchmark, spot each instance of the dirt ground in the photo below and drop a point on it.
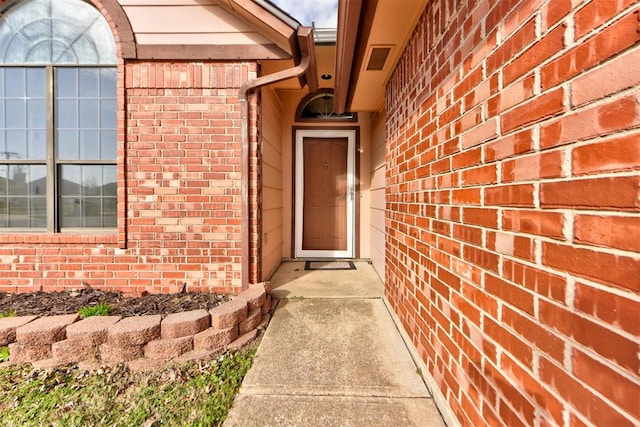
(68, 302)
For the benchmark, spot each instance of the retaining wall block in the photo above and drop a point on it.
(92, 329)
(45, 330)
(243, 340)
(267, 286)
(23, 353)
(8, 326)
(74, 350)
(214, 339)
(184, 324)
(255, 296)
(228, 314)
(110, 353)
(168, 348)
(251, 322)
(266, 307)
(134, 331)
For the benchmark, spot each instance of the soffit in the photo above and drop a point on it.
(392, 23)
(325, 59)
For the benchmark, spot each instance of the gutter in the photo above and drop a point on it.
(306, 68)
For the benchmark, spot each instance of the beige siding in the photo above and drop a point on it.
(188, 22)
(377, 192)
(271, 182)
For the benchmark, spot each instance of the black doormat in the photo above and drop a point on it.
(329, 265)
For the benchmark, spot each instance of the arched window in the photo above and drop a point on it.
(319, 106)
(57, 117)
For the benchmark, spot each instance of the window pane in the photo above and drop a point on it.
(4, 201)
(70, 180)
(67, 144)
(108, 145)
(108, 82)
(15, 83)
(70, 212)
(38, 212)
(67, 114)
(82, 196)
(92, 180)
(18, 184)
(109, 181)
(23, 196)
(92, 212)
(89, 145)
(108, 113)
(67, 82)
(37, 145)
(89, 79)
(109, 210)
(16, 145)
(4, 180)
(35, 82)
(89, 113)
(36, 114)
(18, 212)
(16, 117)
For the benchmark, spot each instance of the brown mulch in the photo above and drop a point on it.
(68, 302)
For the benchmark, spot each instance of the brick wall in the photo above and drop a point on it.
(513, 208)
(178, 191)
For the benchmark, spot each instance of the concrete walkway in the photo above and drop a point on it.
(332, 356)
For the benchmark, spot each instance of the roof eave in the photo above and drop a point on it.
(354, 25)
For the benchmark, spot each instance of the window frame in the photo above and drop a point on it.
(52, 164)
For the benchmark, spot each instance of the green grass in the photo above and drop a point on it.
(195, 394)
(4, 354)
(101, 309)
(9, 313)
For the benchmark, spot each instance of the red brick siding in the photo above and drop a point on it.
(178, 191)
(513, 208)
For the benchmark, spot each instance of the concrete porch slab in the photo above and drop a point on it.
(291, 280)
(332, 411)
(333, 347)
(332, 356)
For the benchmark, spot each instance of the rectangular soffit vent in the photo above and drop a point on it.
(378, 57)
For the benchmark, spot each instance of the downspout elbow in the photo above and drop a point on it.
(243, 97)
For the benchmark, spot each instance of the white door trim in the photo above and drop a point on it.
(299, 192)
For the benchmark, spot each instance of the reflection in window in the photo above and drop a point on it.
(86, 113)
(76, 140)
(87, 196)
(23, 196)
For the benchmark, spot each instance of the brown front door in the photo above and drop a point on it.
(325, 194)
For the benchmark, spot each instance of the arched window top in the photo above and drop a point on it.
(319, 106)
(55, 32)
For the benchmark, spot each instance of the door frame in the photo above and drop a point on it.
(300, 135)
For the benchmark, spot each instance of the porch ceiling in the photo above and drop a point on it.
(325, 59)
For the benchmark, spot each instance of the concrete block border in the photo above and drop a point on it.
(140, 341)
